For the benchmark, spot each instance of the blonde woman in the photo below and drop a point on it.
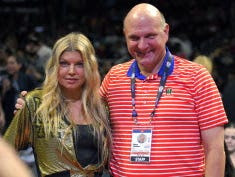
(65, 121)
(205, 61)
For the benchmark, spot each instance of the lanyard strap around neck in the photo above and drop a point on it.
(164, 76)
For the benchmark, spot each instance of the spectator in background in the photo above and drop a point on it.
(38, 55)
(205, 61)
(13, 83)
(229, 137)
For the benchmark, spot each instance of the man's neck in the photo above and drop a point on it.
(147, 71)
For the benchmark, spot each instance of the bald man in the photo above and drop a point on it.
(172, 101)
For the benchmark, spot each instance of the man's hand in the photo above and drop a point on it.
(20, 101)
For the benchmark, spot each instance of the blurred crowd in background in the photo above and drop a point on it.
(30, 27)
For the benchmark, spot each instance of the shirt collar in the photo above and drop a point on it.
(160, 72)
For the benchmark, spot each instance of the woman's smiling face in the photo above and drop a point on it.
(71, 71)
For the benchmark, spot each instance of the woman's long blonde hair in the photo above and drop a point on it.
(53, 107)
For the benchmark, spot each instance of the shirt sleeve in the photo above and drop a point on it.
(209, 106)
(19, 133)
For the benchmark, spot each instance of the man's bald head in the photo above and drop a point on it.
(143, 10)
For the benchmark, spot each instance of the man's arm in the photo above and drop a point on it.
(11, 165)
(213, 141)
(20, 101)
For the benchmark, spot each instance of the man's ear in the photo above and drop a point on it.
(166, 29)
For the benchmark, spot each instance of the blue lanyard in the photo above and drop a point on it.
(159, 93)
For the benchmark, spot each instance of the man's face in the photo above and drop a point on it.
(146, 39)
(12, 65)
(30, 48)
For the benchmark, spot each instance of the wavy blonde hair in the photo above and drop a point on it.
(205, 61)
(53, 107)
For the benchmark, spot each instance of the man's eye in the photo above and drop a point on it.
(151, 36)
(133, 38)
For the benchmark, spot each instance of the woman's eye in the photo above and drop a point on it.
(80, 64)
(63, 63)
